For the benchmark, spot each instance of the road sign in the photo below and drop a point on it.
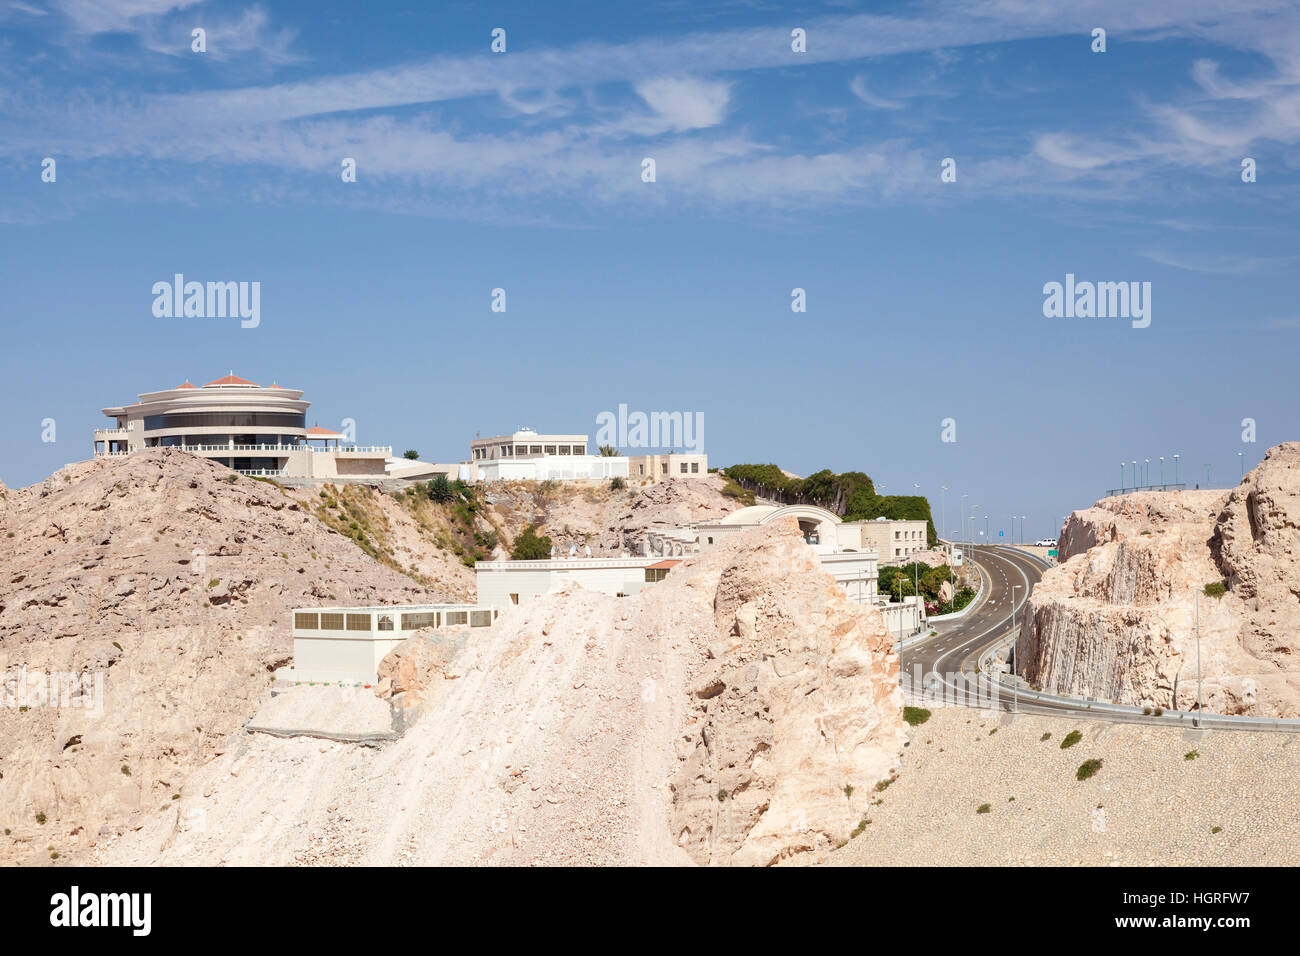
(999, 534)
(1051, 553)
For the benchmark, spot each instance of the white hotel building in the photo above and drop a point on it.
(252, 429)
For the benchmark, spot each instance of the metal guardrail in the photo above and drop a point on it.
(1112, 492)
(1168, 717)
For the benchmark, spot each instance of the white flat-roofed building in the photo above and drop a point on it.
(892, 538)
(525, 443)
(506, 584)
(348, 643)
(526, 455)
(674, 464)
(252, 429)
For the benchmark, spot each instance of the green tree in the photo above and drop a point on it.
(411, 453)
(439, 489)
(530, 546)
(609, 451)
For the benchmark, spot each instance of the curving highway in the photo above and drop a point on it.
(950, 666)
(958, 645)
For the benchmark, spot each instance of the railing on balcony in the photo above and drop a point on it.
(261, 472)
(220, 449)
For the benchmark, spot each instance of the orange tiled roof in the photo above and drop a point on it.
(231, 380)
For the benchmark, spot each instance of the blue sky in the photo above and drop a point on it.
(775, 170)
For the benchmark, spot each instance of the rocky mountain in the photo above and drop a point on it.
(1118, 618)
(154, 591)
(738, 712)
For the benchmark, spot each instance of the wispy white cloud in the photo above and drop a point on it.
(570, 141)
(686, 102)
(858, 86)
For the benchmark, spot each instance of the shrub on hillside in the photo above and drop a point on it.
(530, 546)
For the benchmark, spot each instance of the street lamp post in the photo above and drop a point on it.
(1162, 472)
(1121, 477)
(1175, 469)
(1146, 472)
(1022, 528)
(1242, 459)
(1197, 722)
(1207, 474)
(1135, 473)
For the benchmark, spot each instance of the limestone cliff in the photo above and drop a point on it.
(1117, 620)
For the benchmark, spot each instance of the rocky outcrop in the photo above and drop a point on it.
(1118, 620)
(665, 505)
(158, 586)
(737, 712)
(794, 710)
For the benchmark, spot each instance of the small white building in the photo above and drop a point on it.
(526, 455)
(347, 643)
(505, 584)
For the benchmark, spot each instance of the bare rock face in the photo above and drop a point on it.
(162, 582)
(1118, 619)
(672, 503)
(796, 710)
(407, 671)
(1256, 544)
(586, 729)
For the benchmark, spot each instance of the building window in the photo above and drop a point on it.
(534, 449)
(514, 599)
(305, 621)
(456, 617)
(418, 619)
(331, 622)
(695, 468)
(640, 469)
(358, 622)
(683, 468)
(653, 575)
(710, 540)
(481, 618)
(385, 622)
(548, 450)
(664, 466)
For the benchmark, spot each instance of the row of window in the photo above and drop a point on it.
(411, 620)
(226, 420)
(521, 451)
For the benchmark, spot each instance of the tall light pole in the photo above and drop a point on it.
(917, 489)
(1022, 528)
(1175, 469)
(1197, 721)
(1241, 459)
(1135, 473)
(1162, 472)
(1121, 477)
(1146, 472)
(1015, 643)
(1207, 474)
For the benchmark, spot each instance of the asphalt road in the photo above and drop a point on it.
(957, 645)
(946, 666)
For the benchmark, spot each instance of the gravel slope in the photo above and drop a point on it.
(1147, 806)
